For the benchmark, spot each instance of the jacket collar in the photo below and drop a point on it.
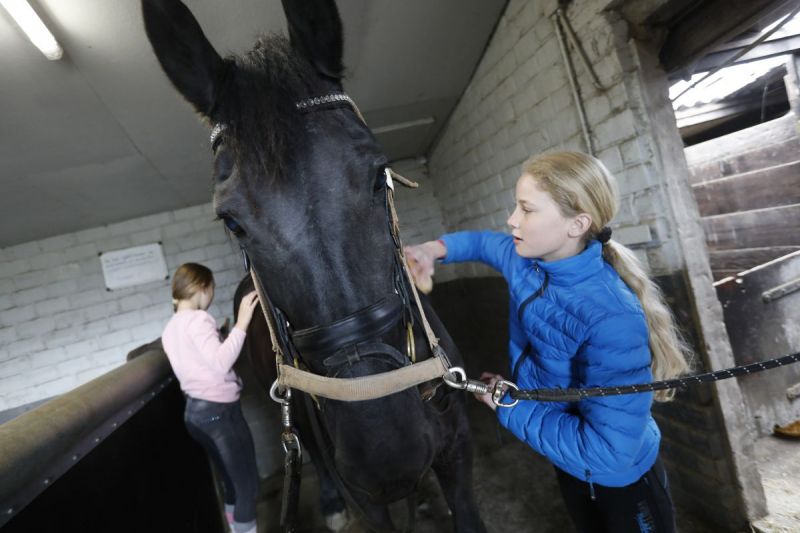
(576, 268)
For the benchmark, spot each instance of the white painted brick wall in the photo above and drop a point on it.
(60, 327)
(519, 103)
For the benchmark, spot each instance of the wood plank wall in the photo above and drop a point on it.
(747, 187)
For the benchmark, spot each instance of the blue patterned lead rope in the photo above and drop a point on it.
(576, 394)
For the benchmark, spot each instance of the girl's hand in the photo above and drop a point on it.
(421, 259)
(246, 309)
(490, 379)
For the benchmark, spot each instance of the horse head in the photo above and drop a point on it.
(299, 181)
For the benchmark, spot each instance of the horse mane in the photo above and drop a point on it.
(257, 104)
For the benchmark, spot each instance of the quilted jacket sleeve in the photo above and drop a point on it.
(493, 248)
(605, 433)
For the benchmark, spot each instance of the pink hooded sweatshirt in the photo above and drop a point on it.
(203, 364)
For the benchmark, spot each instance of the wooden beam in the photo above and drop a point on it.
(767, 144)
(736, 261)
(792, 82)
(715, 22)
(768, 187)
(775, 226)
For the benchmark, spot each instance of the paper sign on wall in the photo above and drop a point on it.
(133, 266)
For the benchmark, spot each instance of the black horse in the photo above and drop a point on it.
(300, 184)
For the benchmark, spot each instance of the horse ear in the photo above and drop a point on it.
(186, 56)
(315, 30)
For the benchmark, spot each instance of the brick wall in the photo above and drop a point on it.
(60, 327)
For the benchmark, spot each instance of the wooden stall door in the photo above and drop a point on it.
(747, 187)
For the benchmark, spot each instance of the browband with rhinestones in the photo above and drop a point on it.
(215, 133)
(320, 100)
(301, 106)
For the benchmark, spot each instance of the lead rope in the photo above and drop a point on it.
(574, 394)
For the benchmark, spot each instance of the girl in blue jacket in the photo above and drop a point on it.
(583, 314)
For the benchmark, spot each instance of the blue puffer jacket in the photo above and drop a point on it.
(587, 329)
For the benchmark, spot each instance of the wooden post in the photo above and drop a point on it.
(792, 82)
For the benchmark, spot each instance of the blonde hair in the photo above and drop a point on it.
(190, 278)
(580, 183)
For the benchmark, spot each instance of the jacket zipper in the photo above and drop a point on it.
(525, 351)
(591, 485)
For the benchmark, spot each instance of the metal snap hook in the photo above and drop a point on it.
(500, 388)
(470, 385)
(274, 393)
(456, 371)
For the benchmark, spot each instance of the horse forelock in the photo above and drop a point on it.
(257, 105)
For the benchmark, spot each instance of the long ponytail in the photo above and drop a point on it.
(668, 348)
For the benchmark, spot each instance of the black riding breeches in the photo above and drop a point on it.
(222, 431)
(644, 506)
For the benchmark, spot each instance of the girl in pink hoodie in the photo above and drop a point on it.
(204, 367)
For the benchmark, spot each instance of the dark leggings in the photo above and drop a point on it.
(222, 431)
(644, 506)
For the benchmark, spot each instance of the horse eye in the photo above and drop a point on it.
(233, 226)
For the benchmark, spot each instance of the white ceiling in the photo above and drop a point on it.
(100, 136)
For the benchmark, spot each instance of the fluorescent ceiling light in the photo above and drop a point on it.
(33, 27)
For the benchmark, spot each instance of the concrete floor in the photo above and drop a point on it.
(515, 488)
(779, 465)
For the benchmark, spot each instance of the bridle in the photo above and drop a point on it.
(347, 335)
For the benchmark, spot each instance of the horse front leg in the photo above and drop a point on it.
(453, 469)
(331, 505)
